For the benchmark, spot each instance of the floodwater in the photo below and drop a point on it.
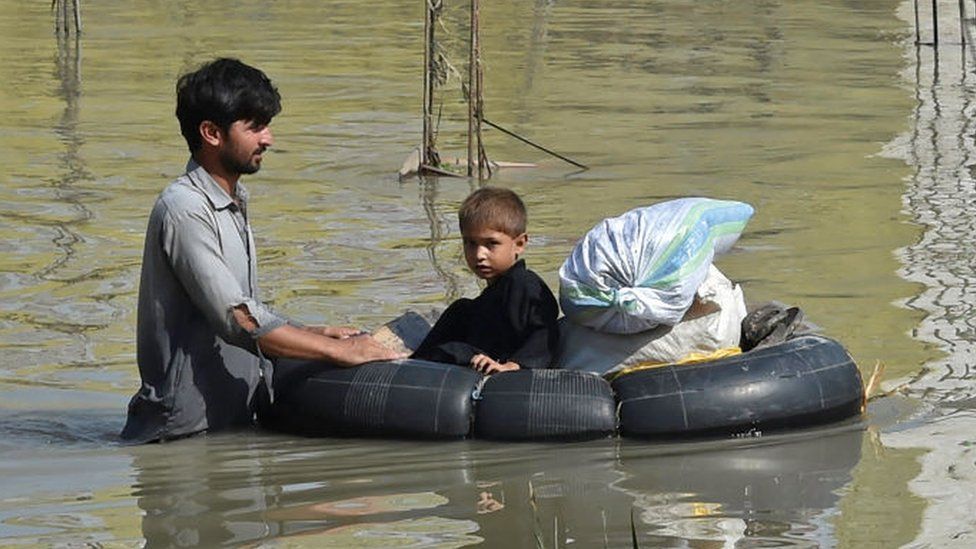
(854, 145)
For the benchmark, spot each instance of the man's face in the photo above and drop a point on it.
(244, 143)
(490, 253)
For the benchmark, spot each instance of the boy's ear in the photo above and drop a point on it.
(520, 242)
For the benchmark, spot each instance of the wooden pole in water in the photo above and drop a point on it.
(77, 4)
(935, 24)
(479, 105)
(427, 147)
(917, 37)
(472, 83)
(962, 24)
(59, 22)
(63, 20)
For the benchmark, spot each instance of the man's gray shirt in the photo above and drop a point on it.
(200, 370)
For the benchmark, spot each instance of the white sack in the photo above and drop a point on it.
(641, 269)
(713, 322)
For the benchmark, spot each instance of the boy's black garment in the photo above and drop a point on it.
(513, 320)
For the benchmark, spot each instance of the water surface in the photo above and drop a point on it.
(799, 108)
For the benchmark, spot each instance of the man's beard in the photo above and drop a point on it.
(234, 165)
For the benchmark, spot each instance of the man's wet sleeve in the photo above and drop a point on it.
(192, 245)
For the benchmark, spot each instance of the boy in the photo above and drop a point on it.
(512, 324)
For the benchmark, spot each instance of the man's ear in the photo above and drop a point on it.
(211, 133)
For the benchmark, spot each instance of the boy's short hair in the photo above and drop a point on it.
(495, 208)
(223, 91)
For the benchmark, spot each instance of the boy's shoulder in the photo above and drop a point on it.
(522, 276)
(519, 271)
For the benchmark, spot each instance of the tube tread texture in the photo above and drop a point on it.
(804, 381)
(404, 398)
(545, 405)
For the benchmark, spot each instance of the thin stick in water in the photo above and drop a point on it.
(536, 145)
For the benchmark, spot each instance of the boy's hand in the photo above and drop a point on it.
(487, 365)
(481, 363)
(506, 367)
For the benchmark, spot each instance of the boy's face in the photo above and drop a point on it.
(490, 253)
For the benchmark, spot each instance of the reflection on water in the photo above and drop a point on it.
(939, 196)
(222, 491)
(258, 488)
(68, 65)
(759, 493)
(440, 227)
(55, 269)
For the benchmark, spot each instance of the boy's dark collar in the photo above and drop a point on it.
(518, 265)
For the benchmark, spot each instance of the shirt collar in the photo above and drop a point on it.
(519, 265)
(218, 197)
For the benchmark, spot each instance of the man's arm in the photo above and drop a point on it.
(193, 248)
(294, 342)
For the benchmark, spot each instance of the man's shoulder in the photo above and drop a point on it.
(180, 197)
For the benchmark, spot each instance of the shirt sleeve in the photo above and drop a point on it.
(192, 245)
(445, 340)
(451, 352)
(533, 311)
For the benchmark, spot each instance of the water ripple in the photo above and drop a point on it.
(939, 196)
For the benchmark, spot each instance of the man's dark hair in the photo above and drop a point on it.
(223, 91)
(494, 208)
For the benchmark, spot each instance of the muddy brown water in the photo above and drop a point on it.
(853, 145)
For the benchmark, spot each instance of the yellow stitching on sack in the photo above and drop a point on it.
(691, 358)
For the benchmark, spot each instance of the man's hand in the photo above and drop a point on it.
(337, 332)
(487, 365)
(363, 348)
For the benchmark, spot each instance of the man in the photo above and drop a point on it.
(202, 333)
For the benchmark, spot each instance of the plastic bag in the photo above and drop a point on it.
(712, 323)
(640, 270)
